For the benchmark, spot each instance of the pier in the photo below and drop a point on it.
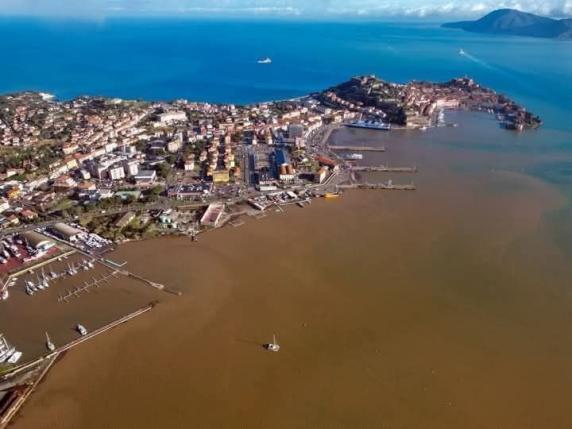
(116, 264)
(153, 284)
(384, 169)
(75, 292)
(43, 263)
(383, 186)
(25, 384)
(358, 148)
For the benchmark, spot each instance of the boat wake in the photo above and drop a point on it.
(478, 61)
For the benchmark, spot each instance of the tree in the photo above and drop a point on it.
(163, 170)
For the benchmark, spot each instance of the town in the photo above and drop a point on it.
(79, 177)
(108, 170)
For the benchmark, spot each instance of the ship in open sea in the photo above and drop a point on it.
(266, 60)
(370, 125)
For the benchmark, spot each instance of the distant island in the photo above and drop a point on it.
(517, 23)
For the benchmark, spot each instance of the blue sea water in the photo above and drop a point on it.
(209, 60)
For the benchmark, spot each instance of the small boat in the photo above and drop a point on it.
(266, 60)
(40, 285)
(7, 355)
(15, 358)
(81, 329)
(462, 52)
(273, 346)
(49, 344)
(329, 195)
(5, 295)
(72, 271)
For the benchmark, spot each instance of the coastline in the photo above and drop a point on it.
(214, 281)
(228, 331)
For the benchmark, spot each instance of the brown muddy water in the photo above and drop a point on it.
(447, 307)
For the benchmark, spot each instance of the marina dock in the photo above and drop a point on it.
(23, 384)
(96, 282)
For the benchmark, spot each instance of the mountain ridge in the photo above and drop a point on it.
(516, 23)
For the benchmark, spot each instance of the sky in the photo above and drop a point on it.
(286, 8)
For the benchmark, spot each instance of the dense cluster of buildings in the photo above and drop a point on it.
(414, 104)
(77, 153)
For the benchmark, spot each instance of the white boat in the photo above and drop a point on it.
(5, 295)
(81, 329)
(29, 290)
(49, 344)
(71, 270)
(53, 274)
(273, 346)
(7, 355)
(45, 279)
(462, 52)
(40, 284)
(266, 60)
(353, 156)
(15, 358)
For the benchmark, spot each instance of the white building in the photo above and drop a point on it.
(117, 173)
(4, 205)
(131, 167)
(168, 117)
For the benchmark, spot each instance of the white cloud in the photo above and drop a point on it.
(371, 8)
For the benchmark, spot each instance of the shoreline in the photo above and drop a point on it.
(287, 337)
(337, 180)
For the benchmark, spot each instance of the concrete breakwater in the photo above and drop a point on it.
(19, 383)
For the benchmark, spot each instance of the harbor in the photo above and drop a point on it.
(57, 294)
(19, 383)
(410, 236)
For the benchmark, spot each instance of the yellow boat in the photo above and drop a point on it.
(331, 195)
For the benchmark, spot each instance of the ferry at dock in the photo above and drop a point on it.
(370, 125)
